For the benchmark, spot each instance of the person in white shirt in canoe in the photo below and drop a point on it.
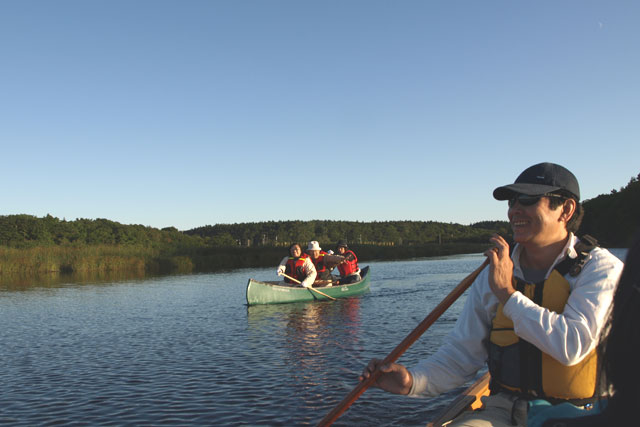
(297, 268)
(533, 315)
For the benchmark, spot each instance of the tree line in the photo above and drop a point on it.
(386, 233)
(614, 218)
(24, 231)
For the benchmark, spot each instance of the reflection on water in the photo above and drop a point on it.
(18, 282)
(308, 333)
(312, 327)
(308, 343)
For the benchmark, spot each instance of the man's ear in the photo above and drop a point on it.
(568, 209)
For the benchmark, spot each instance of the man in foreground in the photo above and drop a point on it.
(534, 316)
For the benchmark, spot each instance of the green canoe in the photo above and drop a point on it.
(278, 292)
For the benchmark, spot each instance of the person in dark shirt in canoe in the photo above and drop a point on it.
(348, 267)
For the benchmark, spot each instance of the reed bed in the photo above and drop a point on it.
(71, 259)
(131, 261)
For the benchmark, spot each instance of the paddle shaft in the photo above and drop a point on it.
(310, 288)
(292, 279)
(403, 346)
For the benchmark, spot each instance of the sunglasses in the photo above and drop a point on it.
(526, 200)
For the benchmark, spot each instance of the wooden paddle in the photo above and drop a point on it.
(403, 346)
(310, 288)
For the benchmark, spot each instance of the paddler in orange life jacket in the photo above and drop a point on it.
(533, 315)
(298, 266)
(317, 257)
(348, 268)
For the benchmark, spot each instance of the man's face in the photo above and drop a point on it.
(314, 254)
(341, 250)
(537, 224)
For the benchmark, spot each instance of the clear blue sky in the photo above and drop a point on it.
(188, 113)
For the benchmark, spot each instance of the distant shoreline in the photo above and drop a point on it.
(86, 263)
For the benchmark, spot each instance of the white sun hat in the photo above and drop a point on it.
(314, 246)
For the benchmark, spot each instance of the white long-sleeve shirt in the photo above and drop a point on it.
(567, 337)
(307, 268)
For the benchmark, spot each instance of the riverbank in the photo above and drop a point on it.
(51, 264)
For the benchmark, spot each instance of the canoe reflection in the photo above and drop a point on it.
(308, 338)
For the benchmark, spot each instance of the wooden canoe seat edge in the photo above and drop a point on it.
(467, 401)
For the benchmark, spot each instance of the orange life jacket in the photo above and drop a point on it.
(294, 269)
(323, 272)
(319, 263)
(350, 265)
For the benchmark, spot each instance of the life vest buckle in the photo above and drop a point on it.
(575, 270)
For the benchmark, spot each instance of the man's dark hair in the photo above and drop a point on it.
(574, 222)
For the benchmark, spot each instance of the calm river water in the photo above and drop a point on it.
(186, 350)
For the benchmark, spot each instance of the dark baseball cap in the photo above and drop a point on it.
(540, 179)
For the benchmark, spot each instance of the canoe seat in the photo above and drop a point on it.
(469, 400)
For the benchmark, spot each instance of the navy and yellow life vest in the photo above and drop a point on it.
(294, 268)
(349, 265)
(519, 366)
